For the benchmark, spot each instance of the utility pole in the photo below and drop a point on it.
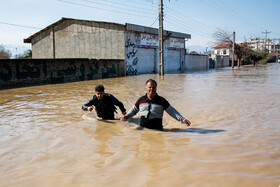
(265, 38)
(160, 39)
(277, 50)
(53, 35)
(274, 50)
(233, 44)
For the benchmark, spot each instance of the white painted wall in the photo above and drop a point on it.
(172, 61)
(146, 61)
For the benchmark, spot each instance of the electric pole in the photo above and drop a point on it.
(277, 51)
(160, 39)
(265, 38)
(233, 44)
(274, 50)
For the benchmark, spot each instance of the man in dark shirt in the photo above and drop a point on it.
(151, 107)
(104, 104)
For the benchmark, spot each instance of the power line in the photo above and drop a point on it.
(191, 26)
(121, 4)
(16, 25)
(154, 22)
(65, 31)
(194, 22)
(234, 13)
(221, 7)
(179, 24)
(88, 6)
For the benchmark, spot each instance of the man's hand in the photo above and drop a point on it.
(124, 113)
(187, 122)
(90, 108)
(123, 118)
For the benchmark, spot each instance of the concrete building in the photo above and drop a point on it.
(223, 50)
(137, 45)
(258, 44)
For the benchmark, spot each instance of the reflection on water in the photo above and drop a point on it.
(47, 140)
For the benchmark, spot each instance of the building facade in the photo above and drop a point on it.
(257, 44)
(137, 45)
(223, 50)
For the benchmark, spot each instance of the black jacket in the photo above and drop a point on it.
(105, 107)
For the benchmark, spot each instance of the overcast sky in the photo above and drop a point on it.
(20, 19)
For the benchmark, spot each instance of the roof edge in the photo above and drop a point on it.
(128, 26)
(150, 30)
(28, 40)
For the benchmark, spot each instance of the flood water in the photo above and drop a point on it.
(47, 140)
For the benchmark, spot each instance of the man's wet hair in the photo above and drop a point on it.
(99, 88)
(151, 80)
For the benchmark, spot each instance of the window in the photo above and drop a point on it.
(224, 52)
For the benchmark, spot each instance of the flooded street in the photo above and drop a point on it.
(46, 139)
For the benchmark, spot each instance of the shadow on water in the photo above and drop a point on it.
(206, 71)
(195, 130)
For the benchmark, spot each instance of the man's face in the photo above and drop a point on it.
(99, 95)
(151, 89)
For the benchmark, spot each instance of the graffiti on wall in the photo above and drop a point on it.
(131, 58)
(25, 71)
(93, 70)
(56, 71)
(6, 72)
(69, 70)
(106, 71)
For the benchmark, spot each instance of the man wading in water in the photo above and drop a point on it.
(151, 107)
(104, 104)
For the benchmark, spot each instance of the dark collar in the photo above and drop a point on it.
(147, 99)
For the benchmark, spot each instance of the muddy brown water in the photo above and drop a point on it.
(47, 140)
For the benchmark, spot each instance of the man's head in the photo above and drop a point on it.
(151, 88)
(99, 91)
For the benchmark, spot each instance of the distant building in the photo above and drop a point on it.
(223, 50)
(258, 44)
(138, 45)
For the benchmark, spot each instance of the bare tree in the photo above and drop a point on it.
(222, 37)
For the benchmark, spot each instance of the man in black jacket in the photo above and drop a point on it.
(104, 104)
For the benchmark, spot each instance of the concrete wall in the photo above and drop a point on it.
(196, 62)
(23, 72)
(42, 45)
(81, 39)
